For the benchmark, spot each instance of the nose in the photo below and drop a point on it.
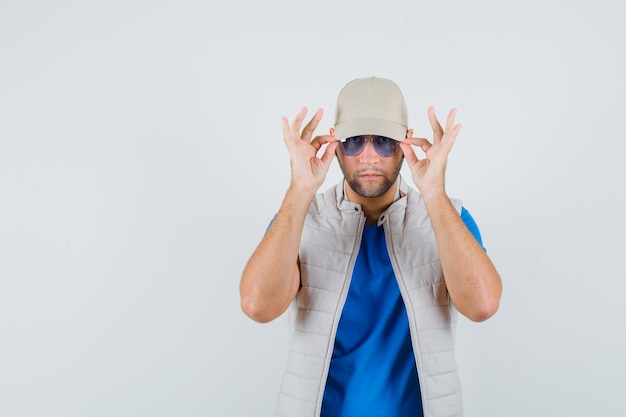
(368, 154)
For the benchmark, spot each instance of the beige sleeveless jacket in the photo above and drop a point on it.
(328, 250)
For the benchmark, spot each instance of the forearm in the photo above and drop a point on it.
(271, 277)
(472, 281)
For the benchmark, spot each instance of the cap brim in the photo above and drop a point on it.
(356, 127)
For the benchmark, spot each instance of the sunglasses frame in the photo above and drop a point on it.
(376, 144)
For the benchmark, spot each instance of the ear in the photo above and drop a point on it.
(409, 133)
(332, 131)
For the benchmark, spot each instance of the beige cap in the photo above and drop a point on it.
(371, 106)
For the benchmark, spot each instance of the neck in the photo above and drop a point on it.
(373, 207)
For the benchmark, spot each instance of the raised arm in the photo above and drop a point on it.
(271, 277)
(473, 283)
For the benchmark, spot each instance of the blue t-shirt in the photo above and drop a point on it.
(372, 370)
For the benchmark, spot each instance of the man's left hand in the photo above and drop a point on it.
(429, 173)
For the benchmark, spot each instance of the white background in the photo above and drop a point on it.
(141, 158)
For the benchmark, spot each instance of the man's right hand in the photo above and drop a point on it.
(271, 278)
(308, 171)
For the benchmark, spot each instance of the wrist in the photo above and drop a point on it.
(300, 195)
(434, 195)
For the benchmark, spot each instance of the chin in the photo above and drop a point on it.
(371, 190)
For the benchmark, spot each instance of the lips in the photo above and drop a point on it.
(369, 175)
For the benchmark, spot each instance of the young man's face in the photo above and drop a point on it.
(369, 174)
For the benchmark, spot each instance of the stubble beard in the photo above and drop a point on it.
(359, 186)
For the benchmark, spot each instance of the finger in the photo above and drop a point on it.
(409, 154)
(286, 129)
(421, 142)
(415, 164)
(435, 125)
(310, 127)
(297, 123)
(450, 120)
(318, 141)
(454, 132)
(450, 137)
(329, 153)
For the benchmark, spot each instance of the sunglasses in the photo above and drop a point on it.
(384, 146)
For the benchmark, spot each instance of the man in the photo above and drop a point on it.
(374, 271)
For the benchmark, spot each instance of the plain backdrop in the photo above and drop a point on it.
(141, 158)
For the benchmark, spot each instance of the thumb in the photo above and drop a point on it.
(329, 153)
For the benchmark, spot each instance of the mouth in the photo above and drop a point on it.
(369, 175)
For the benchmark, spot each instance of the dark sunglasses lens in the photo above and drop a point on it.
(385, 146)
(352, 146)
